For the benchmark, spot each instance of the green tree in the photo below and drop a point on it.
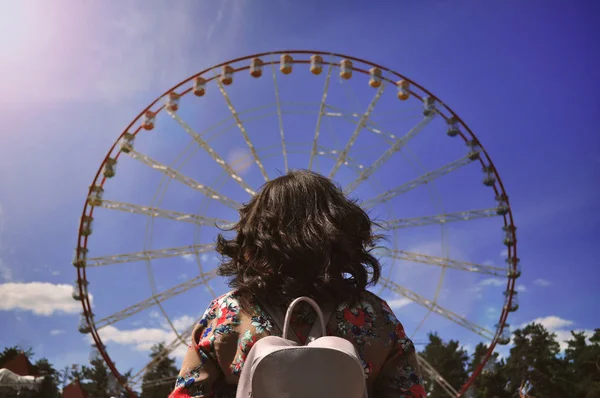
(582, 361)
(534, 358)
(49, 387)
(491, 381)
(10, 352)
(96, 378)
(164, 370)
(449, 360)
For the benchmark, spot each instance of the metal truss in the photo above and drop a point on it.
(400, 142)
(444, 262)
(424, 179)
(159, 298)
(240, 125)
(361, 124)
(213, 154)
(434, 307)
(149, 255)
(441, 218)
(162, 213)
(176, 175)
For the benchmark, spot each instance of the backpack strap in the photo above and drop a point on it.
(319, 327)
(316, 331)
(278, 319)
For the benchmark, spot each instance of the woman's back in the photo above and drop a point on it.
(299, 236)
(227, 332)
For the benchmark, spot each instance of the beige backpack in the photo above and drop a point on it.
(326, 367)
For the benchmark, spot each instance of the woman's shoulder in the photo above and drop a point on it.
(371, 302)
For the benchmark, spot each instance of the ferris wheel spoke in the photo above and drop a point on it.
(400, 142)
(444, 262)
(434, 307)
(176, 175)
(424, 179)
(162, 213)
(279, 116)
(238, 122)
(332, 153)
(361, 124)
(353, 118)
(204, 145)
(313, 152)
(442, 218)
(152, 301)
(150, 255)
(435, 376)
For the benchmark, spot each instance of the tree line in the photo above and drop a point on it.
(535, 364)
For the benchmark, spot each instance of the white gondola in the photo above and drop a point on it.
(316, 64)
(95, 196)
(149, 118)
(199, 86)
(256, 67)
(453, 129)
(514, 267)
(285, 65)
(110, 168)
(127, 142)
(489, 178)
(509, 238)
(514, 301)
(428, 106)
(86, 225)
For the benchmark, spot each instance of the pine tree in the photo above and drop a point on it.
(10, 352)
(491, 381)
(534, 358)
(449, 360)
(97, 378)
(582, 361)
(164, 370)
(49, 387)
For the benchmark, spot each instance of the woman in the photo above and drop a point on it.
(300, 236)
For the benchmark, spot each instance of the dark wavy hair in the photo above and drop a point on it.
(300, 236)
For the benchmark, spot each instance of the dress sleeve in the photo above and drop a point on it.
(200, 370)
(400, 376)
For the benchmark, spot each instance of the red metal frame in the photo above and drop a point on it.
(498, 189)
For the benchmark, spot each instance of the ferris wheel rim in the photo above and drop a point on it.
(99, 181)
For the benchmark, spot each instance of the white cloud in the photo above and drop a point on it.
(154, 314)
(38, 297)
(213, 25)
(559, 326)
(5, 272)
(551, 322)
(493, 282)
(504, 253)
(542, 282)
(521, 288)
(399, 303)
(56, 332)
(492, 312)
(188, 257)
(468, 348)
(142, 339)
(55, 273)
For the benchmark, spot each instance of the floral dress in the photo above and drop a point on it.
(224, 336)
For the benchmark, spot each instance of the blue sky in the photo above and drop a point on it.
(523, 76)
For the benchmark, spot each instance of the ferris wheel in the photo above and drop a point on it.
(177, 174)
